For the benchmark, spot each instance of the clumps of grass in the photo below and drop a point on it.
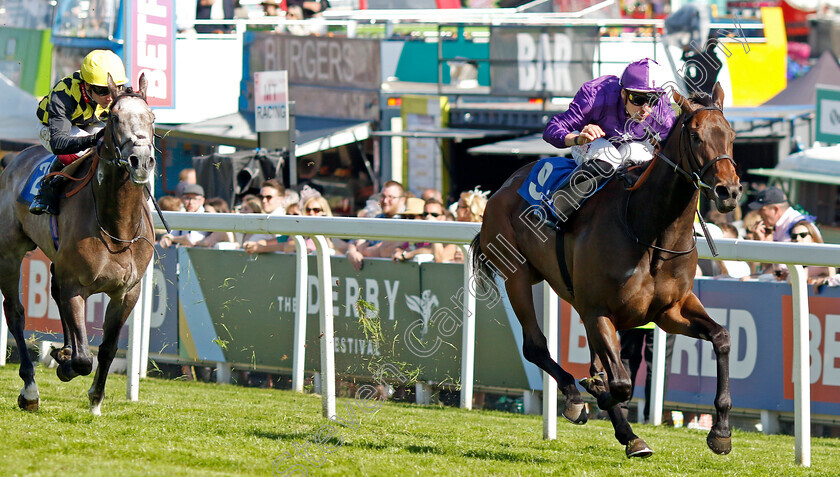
(371, 325)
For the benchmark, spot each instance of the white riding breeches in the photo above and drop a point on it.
(631, 152)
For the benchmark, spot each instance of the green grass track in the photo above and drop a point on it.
(184, 428)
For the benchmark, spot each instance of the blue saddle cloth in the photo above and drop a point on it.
(547, 176)
(33, 184)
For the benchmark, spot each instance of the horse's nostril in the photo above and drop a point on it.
(722, 192)
(134, 161)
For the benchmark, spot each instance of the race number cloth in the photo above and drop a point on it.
(547, 176)
(33, 184)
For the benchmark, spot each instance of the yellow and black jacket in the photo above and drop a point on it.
(68, 104)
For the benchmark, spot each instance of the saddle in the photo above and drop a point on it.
(33, 183)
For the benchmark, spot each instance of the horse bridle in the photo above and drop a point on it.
(119, 161)
(694, 177)
(122, 163)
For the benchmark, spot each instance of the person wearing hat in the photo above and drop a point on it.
(777, 216)
(193, 200)
(610, 120)
(271, 8)
(73, 119)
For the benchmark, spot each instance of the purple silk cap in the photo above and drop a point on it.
(640, 76)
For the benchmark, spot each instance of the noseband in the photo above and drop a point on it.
(696, 172)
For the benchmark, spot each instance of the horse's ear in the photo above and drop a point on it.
(717, 95)
(112, 87)
(682, 101)
(143, 84)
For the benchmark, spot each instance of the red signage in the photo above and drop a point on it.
(823, 347)
(152, 49)
(41, 311)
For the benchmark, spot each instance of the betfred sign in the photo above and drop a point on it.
(759, 318)
(152, 49)
(42, 314)
(823, 347)
(271, 101)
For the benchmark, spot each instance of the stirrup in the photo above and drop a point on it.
(40, 206)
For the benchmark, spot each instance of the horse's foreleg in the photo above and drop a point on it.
(29, 398)
(535, 346)
(692, 320)
(115, 315)
(72, 311)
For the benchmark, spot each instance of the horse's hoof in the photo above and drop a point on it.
(719, 445)
(59, 371)
(28, 405)
(594, 385)
(638, 448)
(576, 413)
(61, 355)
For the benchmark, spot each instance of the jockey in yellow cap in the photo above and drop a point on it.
(72, 117)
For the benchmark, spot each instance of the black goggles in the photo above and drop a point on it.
(641, 99)
(100, 90)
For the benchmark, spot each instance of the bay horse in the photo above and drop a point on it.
(631, 258)
(105, 242)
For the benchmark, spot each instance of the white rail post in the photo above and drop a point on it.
(301, 294)
(325, 282)
(132, 392)
(657, 387)
(468, 337)
(550, 330)
(4, 333)
(145, 303)
(801, 366)
(147, 284)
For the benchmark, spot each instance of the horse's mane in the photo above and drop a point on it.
(696, 97)
(701, 98)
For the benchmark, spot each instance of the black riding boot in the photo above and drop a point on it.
(47, 199)
(582, 183)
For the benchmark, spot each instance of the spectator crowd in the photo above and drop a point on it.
(393, 202)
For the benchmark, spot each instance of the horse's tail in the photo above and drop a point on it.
(482, 268)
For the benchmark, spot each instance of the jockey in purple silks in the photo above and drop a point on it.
(610, 120)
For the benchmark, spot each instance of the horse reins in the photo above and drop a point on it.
(694, 177)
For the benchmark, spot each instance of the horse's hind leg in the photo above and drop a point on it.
(65, 353)
(29, 398)
(115, 315)
(605, 348)
(71, 307)
(634, 446)
(692, 320)
(535, 346)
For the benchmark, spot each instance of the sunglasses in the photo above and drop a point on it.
(641, 99)
(100, 90)
(313, 209)
(433, 214)
(800, 235)
(267, 197)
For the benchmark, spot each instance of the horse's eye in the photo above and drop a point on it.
(695, 137)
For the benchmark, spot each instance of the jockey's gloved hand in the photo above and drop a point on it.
(93, 139)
